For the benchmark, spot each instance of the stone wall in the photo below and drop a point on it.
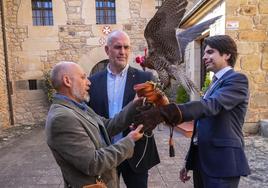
(31, 107)
(28, 107)
(33, 50)
(72, 37)
(4, 108)
(249, 29)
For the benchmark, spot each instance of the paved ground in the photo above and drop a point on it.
(26, 162)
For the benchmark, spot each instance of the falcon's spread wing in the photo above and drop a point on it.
(165, 50)
(160, 32)
(192, 33)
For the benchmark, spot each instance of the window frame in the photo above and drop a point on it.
(158, 4)
(42, 14)
(105, 12)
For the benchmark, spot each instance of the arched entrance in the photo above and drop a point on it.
(99, 66)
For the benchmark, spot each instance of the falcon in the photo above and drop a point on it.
(165, 49)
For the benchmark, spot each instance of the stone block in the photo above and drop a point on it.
(74, 16)
(263, 6)
(264, 19)
(247, 47)
(260, 78)
(233, 34)
(74, 3)
(250, 62)
(231, 10)
(265, 48)
(254, 36)
(32, 95)
(252, 2)
(263, 87)
(251, 128)
(263, 113)
(259, 27)
(264, 63)
(264, 127)
(21, 85)
(236, 3)
(94, 41)
(248, 10)
(252, 114)
(260, 100)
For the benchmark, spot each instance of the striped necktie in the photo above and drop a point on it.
(214, 79)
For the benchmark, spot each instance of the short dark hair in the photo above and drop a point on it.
(225, 45)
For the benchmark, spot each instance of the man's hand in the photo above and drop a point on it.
(184, 175)
(136, 134)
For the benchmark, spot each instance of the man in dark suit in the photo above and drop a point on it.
(79, 138)
(216, 153)
(111, 90)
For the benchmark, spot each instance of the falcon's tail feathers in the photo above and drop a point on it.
(185, 82)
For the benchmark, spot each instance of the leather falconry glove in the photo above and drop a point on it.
(152, 94)
(170, 114)
(151, 117)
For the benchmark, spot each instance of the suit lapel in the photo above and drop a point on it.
(213, 88)
(105, 134)
(128, 94)
(88, 116)
(101, 127)
(80, 112)
(219, 82)
(104, 95)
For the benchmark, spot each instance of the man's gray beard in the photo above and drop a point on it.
(87, 99)
(75, 92)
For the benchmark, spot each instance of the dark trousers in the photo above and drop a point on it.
(132, 179)
(202, 180)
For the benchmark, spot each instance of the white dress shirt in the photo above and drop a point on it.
(115, 90)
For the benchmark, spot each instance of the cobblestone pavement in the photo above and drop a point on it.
(26, 162)
(257, 154)
(256, 151)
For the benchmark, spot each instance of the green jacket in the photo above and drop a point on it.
(74, 137)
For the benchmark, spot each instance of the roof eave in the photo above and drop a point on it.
(200, 9)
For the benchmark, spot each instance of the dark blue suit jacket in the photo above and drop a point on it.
(99, 103)
(220, 119)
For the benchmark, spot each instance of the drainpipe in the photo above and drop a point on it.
(9, 86)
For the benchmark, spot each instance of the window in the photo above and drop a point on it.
(32, 84)
(42, 12)
(105, 12)
(158, 3)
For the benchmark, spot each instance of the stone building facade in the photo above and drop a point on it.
(75, 36)
(4, 107)
(246, 21)
(252, 40)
